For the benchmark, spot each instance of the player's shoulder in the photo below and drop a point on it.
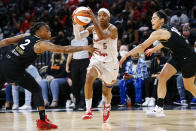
(112, 27)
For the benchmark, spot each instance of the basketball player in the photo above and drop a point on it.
(104, 62)
(12, 67)
(183, 58)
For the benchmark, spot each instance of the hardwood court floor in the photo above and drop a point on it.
(128, 120)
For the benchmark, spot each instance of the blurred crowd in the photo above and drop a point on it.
(133, 20)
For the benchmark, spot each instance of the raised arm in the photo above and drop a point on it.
(80, 34)
(83, 34)
(43, 46)
(11, 40)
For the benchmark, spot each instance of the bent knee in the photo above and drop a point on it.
(162, 77)
(91, 73)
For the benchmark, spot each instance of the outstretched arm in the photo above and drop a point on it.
(156, 35)
(43, 46)
(11, 40)
(154, 49)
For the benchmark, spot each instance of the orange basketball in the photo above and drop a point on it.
(81, 16)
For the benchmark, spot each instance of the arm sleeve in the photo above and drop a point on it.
(79, 35)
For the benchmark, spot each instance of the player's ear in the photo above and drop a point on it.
(162, 20)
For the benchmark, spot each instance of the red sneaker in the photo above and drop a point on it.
(45, 125)
(87, 115)
(106, 113)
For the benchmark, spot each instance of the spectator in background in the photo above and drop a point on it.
(178, 19)
(130, 36)
(32, 70)
(56, 76)
(8, 96)
(151, 82)
(135, 73)
(188, 35)
(25, 25)
(61, 39)
(123, 50)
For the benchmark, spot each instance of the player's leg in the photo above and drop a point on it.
(167, 72)
(107, 92)
(29, 83)
(109, 77)
(190, 85)
(91, 75)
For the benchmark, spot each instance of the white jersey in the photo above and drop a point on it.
(107, 48)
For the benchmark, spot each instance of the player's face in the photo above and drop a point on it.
(103, 18)
(156, 22)
(45, 32)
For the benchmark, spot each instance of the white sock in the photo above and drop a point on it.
(103, 98)
(88, 104)
(107, 105)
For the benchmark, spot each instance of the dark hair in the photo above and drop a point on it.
(36, 27)
(161, 14)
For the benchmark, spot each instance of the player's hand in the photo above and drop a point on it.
(67, 69)
(73, 15)
(128, 76)
(148, 52)
(91, 49)
(91, 14)
(123, 58)
(69, 81)
(49, 78)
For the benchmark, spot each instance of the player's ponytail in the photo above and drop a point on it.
(36, 27)
(161, 14)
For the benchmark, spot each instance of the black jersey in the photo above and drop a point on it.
(23, 54)
(177, 44)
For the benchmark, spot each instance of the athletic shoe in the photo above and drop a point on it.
(87, 115)
(151, 102)
(181, 102)
(193, 102)
(45, 125)
(15, 107)
(46, 103)
(25, 107)
(54, 104)
(72, 105)
(106, 113)
(156, 112)
(68, 103)
(147, 100)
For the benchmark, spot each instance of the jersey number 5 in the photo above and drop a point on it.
(22, 46)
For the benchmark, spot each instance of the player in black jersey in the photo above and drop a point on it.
(183, 58)
(12, 67)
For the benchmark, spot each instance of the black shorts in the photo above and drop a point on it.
(186, 66)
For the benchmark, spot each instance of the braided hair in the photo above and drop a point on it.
(36, 27)
(161, 14)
